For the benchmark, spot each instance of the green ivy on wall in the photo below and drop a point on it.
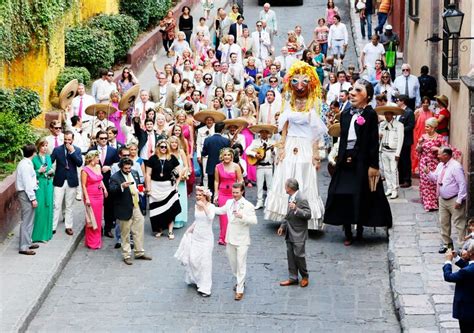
(27, 25)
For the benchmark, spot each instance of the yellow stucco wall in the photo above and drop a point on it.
(38, 70)
(418, 53)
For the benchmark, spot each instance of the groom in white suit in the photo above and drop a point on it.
(241, 214)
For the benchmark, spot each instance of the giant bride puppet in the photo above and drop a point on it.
(298, 150)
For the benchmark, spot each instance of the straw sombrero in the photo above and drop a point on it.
(239, 122)
(67, 93)
(390, 107)
(443, 100)
(264, 127)
(201, 116)
(93, 109)
(128, 99)
(335, 130)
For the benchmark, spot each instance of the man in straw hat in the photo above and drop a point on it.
(234, 127)
(209, 118)
(265, 157)
(391, 134)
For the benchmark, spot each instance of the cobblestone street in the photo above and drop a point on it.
(349, 289)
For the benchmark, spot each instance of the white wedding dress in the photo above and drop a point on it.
(195, 251)
(304, 128)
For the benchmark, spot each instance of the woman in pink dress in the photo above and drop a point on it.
(427, 148)
(94, 191)
(331, 11)
(116, 117)
(226, 174)
(421, 116)
(246, 112)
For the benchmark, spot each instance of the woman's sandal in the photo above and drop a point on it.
(170, 236)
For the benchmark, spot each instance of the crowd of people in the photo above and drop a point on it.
(228, 112)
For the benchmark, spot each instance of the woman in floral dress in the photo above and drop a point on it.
(427, 148)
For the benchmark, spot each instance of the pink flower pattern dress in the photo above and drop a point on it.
(428, 158)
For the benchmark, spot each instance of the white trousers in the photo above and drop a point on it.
(237, 255)
(79, 188)
(264, 174)
(67, 195)
(390, 169)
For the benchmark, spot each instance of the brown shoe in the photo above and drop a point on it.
(288, 282)
(69, 231)
(304, 282)
(143, 257)
(27, 252)
(34, 246)
(128, 261)
(239, 296)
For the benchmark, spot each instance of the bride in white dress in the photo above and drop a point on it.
(195, 249)
(302, 129)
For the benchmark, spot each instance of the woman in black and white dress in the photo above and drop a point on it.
(162, 173)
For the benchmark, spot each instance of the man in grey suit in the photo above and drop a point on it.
(295, 228)
(229, 110)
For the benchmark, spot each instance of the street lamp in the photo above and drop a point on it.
(452, 19)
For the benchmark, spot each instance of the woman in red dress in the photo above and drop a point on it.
(421, 116)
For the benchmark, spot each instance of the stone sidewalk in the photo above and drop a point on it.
(422, 297)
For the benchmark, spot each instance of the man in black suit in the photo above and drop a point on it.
(295, 228)
(68, 158)
(212, 149)
(236, 29)
(463, 304)
(408, 121)
(125, 197)
(108, 156)
(344, 102)
(147, 138)
(112, 132)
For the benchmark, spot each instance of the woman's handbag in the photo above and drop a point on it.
(90, 217)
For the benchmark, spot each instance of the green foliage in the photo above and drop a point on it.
(124, 30)
(90, 48)
(71, 73)
(22, 102)
(27, 25)
(146, 12)
(13, 136)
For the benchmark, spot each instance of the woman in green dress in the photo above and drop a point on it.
(43, 227)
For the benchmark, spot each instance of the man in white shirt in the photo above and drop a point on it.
(100, 123)
(372, 51)
(301, 42)
(285, 60)
(270, 18)
(26, 186)
(197, 80)
(56, 138)
(268, 109)
(241, 214)
(265, 160)
(262, 42)
(237, 71)
(105, 88)
(340, 85)
(143, 105)
(338, 38)
(229, 49)
(408, 84)
(103, 77)
(195, 102)
(80, 103)
(391, 133)
(209, 88)
(202, 134)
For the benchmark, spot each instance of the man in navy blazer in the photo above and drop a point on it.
(68, 158)
(108, 156)
(463, 304)
(212, 149)
(237, 27)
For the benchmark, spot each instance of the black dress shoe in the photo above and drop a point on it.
(117, 246)
(34, 246)
(108, 234)
(443, 249)
(54, 231)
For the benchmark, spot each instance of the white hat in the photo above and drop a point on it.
(388, 27)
